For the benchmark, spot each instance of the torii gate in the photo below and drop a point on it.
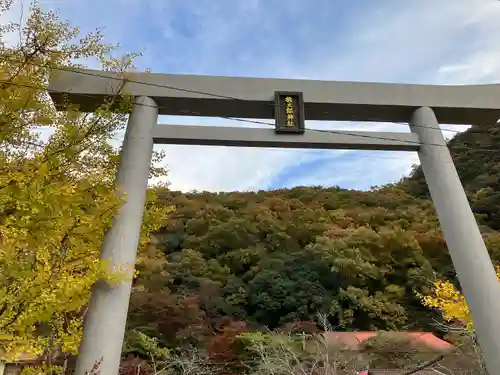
(167, 94)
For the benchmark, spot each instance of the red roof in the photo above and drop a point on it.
(353, 339)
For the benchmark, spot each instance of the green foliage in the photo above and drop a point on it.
(281, 256)
(477, 164)
(141, 345)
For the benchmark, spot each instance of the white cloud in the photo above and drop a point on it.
(249, 168)
(416, 42)
(445, 42)
(359, 170)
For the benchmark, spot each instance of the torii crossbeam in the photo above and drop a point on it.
(419, 105)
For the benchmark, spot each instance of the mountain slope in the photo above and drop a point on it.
(273, 258)
(476, 153)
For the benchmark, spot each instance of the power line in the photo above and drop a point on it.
(141, 104)
(261, 122)
(394, 139)
(196, 92)
(424, 126)
(220, 96)
(176, 88)
(340, 152)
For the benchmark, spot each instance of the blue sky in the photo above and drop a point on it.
(413, 41)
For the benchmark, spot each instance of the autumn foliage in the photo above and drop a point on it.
(225, 347)
(135, 366)
(451, 302)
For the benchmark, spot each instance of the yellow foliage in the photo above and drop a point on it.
(450, 302)
(42, 369)
(57, 196)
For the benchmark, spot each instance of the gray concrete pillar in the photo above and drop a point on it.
(107, 314)
(468, 252)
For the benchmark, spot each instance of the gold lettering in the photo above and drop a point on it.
(289, 112)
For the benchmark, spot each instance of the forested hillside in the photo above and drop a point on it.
(477, 158)
(230, 262)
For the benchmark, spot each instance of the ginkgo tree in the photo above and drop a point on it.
(57, 193)
(451, 302)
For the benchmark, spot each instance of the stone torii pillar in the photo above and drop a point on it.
(107, 313)
(468, 252)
